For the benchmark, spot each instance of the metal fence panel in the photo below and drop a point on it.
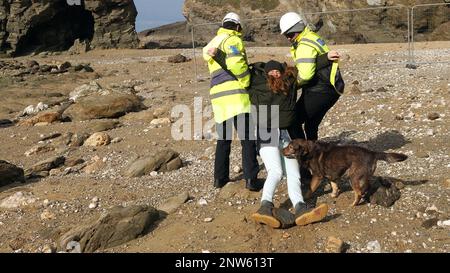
(399, 26)
(430, 23)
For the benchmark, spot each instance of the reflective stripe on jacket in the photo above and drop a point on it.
(228, 93)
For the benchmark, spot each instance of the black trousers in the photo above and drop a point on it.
(245, 129)
(310, 110)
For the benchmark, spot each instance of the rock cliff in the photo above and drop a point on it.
(28, 26)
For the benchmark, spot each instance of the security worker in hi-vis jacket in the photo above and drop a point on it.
(321, 89)
(231, 103)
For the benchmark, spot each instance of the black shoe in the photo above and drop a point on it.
(264, 215)
(305, 215)
(252, 184)
(220, 183)
(286, 218)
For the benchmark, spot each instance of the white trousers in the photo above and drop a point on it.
(276, 165)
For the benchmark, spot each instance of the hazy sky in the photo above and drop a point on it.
(153, 13)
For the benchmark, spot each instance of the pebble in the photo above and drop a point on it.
(334, 245)
(47, 215)
(433, 116)
(48, 249)
(93, 205)
(202, 202)
(73, 247)
(117, 140)
(154, 174)
(208, 220)
(237, 169)
(374, 247)
(445, 223)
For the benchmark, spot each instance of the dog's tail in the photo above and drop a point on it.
(391, 157)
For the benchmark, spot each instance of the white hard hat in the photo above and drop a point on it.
(289, 20)
(232, 17)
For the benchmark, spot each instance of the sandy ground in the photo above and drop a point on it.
(390, 119)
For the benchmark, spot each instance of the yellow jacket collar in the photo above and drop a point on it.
(229, 32)
(305, 32)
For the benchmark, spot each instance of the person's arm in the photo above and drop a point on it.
(322, 61)
(219, 57)
(236, 61)
(326, 60)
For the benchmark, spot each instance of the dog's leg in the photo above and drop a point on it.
(315, 182)
(357, 199)
(355, 179)
(335, 192)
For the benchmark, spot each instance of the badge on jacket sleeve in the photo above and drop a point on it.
(234, 50)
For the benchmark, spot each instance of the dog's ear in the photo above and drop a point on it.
(310, 146)
(306, 147)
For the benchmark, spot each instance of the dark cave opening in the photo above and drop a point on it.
(59, 32)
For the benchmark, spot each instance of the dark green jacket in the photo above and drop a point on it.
(260, 94)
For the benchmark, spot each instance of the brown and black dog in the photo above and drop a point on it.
(331, 161)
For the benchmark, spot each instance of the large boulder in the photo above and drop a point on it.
(98, 106)
(118, 226)
(10, 173)
(164, 160)
(30, 26)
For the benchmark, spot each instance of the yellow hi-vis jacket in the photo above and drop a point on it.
(228, 93)
(307, 46)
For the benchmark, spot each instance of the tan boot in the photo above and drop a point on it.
(305, 216)
(264, 215)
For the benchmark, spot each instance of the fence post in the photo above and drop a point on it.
(193, 52)
(413, 59)
(409, 36)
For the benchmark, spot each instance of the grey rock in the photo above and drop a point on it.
(430, 223)
(173, 165)
(65, 66)
(80, 47)
(104, 106)
(374, 247)
(172, 204)
(48, 164)
(10, 173)
(51, 136)
(103, 125)
(155, 162)
(433, 116)
(5, 123)
(118, 226)
(178, 59)
(71, 162)
(385, 193)
(32, 63)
